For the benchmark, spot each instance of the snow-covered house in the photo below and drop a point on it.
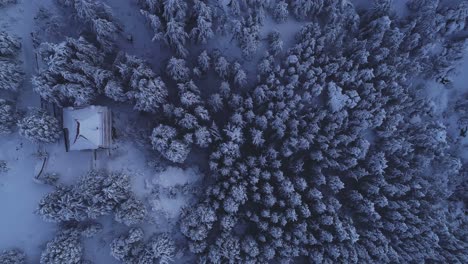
(87, 128)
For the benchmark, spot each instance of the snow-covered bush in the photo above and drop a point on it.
(11, 75)
(40, 127)
(9, 44)
(8, 116)
(12, 256)
(48, 178)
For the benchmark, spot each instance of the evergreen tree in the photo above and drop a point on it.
(177, 70)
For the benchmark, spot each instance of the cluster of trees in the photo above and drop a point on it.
(75, 74)
(72, 74)
(97, 193)
(332, 157)
(176, 22)
(132, 248)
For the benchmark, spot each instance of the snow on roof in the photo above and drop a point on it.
(87, 127)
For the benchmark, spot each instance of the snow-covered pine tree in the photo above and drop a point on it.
(159, 249)
(176, 37)
(155, 24)
(165, 140)
(202, 31)
(178, 70)
(239, 75)
(276, 44)
(151, 95)
(135, 81)
(40, 127)
(281, 12)
(128, 248)
(98, 16)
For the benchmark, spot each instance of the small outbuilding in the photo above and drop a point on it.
(87, 128)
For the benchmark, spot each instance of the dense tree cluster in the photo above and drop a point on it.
(332, 157)
(329, 156)
(132, 248)
(96, 194)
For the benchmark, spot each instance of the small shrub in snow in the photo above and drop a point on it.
(8, 117)
(13, 256)
(48, 178)
(3, 166)
(11, 75)
(40, 127)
